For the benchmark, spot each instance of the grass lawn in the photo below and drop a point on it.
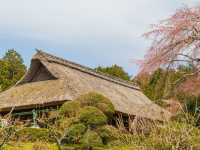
(31, 146)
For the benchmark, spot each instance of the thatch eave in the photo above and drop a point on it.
(31, 106)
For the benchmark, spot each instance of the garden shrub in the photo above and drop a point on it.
(99, 101)
(172, 134)
(33, 135)
(108, 133)
(93, 117)
(75, 133)
(91, 139)
(70, 109)
(63, 123)
(107, 109)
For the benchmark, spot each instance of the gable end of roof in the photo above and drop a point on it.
(54, 59)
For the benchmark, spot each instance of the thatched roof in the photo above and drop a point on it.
(52, 80)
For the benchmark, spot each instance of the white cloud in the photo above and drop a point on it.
(78, 18)
(104, 26)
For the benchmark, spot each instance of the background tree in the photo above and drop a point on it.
(160, 83)
(176, 41)
(4, 73)
(12, 69)
(151, 83)
(115, 71)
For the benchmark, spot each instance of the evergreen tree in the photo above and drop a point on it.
(115, 71)
(12, 69)
(162, 83)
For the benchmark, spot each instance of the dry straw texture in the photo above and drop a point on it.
(52, 80)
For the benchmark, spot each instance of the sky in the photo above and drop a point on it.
(89, 32)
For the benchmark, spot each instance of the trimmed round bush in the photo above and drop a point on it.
(107, 109)
(108, 133)
(70, 109)
(99, 101)
(64, 123)
(92, 116)
(91, 139)
(75, 133)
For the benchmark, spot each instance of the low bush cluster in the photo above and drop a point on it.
(90, 113)
(97, 100)
(83, 125)
(170, 136)
(75, 133)
(70, 109)
(91, 139)
(92, 116)
(108, 134)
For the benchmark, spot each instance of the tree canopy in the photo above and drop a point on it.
(12, 69)
(161, 83)
(176, 40)
(115, 71)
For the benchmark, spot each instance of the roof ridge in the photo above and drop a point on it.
(89, 70)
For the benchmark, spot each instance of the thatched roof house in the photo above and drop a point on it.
(51, 81)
